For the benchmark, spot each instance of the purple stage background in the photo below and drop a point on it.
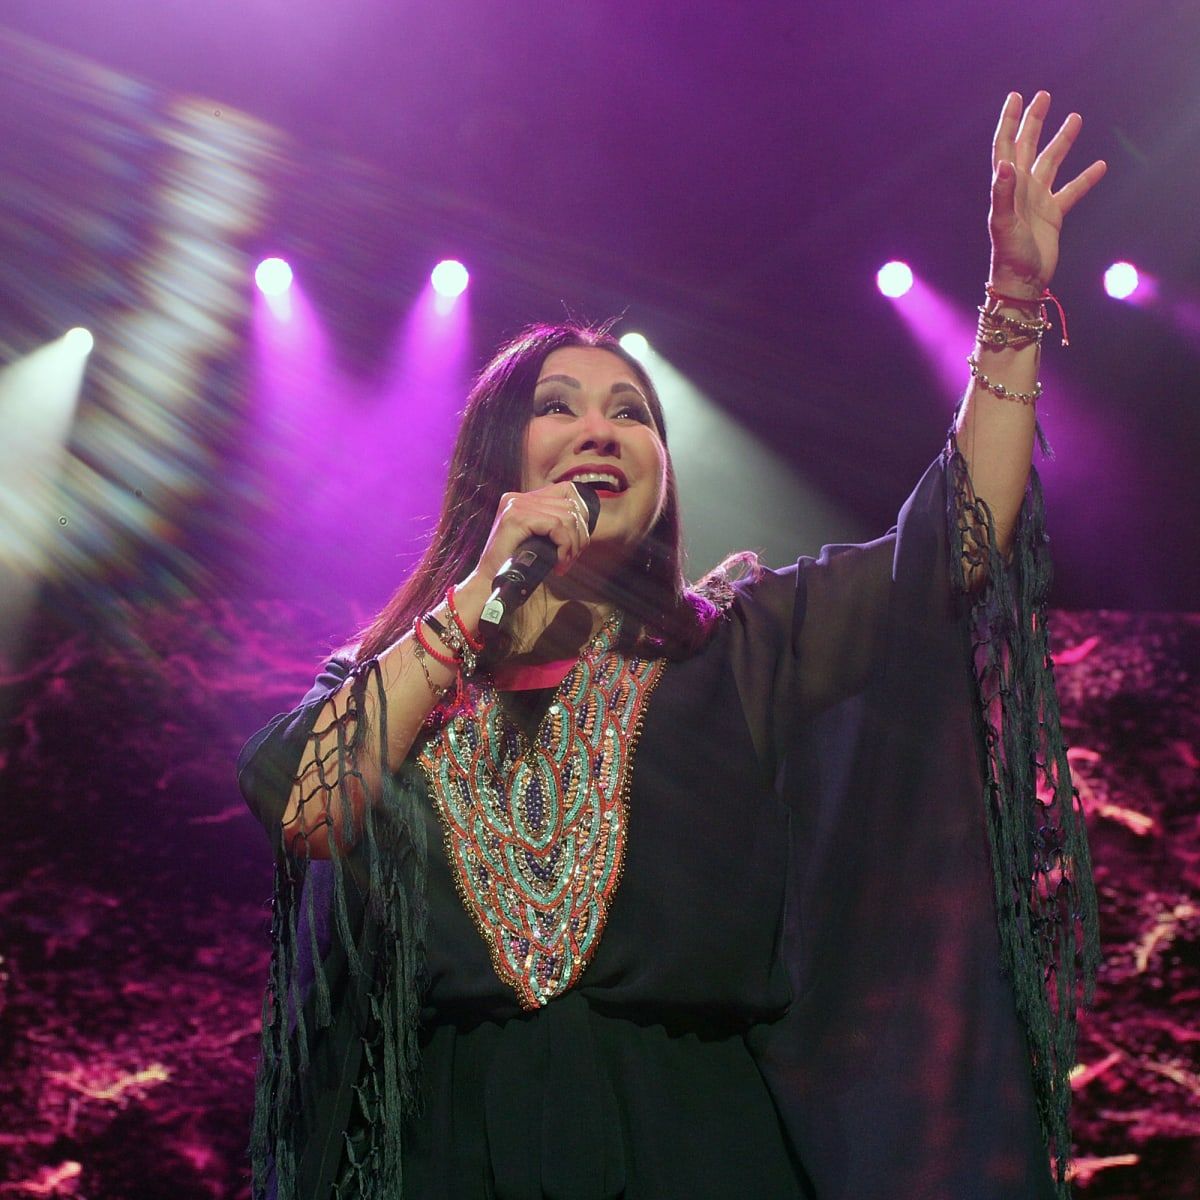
(135, 924)
(728, 184)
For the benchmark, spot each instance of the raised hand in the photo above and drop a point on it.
(1027, 214)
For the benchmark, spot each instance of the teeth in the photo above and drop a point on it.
(610, 481)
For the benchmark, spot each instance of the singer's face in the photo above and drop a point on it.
(591, 422)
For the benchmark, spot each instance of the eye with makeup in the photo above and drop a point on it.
(634, 412)
(625, 412)
(550, 404)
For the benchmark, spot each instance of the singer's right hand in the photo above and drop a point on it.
(556, 512)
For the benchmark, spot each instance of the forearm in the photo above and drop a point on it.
(333, 786)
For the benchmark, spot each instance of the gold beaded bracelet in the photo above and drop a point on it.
(998, 389)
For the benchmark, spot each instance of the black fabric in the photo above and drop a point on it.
(798, 992)
(901, 1068)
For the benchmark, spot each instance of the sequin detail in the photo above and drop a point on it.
(535, 831)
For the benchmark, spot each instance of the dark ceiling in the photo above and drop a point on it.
(732, 175)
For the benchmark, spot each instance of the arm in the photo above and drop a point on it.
(996, 434)
(408, 683)
(369, 723)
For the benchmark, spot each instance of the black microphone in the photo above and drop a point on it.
(518, 578)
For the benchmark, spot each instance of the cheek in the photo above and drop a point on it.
(662, 466)
(543, 448)
(662, 463)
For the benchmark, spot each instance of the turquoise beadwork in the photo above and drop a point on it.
(535, 830)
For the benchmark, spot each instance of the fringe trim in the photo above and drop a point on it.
(1045, 894)
(389, 862)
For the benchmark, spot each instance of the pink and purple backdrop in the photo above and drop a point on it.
(230, 488)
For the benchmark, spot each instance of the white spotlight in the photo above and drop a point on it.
(1121, 280)
(635, 344)
(449, 278)
(80, 340)
(273, 276)
(894, 279)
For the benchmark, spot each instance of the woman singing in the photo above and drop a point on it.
(769, 886)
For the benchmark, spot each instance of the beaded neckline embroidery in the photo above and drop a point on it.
(535, 829)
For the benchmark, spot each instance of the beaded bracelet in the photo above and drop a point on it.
(423, 643)
(466, 656)
(996, 331)
(998, 389)
(991, 338)
(1038, 302)
(476, 643)
(436, 626)
(990, 312)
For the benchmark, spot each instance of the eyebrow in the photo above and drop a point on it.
(616, 387)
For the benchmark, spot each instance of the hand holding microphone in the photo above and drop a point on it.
(532, 561)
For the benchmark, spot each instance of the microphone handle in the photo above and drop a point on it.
(517, 579)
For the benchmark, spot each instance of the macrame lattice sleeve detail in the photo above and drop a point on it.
(347, 938)
(1045, 895)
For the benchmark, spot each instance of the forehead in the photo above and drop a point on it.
(593, 367)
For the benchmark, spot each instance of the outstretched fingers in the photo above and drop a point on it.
(1070, 194)
(1051, 157)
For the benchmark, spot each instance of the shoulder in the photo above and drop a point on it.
(333, 673)
(768, 607)
(839, 575)
(741, 582)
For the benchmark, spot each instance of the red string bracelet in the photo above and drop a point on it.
(1030, 301)
(472, 640)
(423, 642)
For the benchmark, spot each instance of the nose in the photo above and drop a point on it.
(597, 433)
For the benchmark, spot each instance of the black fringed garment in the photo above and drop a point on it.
(841, 961)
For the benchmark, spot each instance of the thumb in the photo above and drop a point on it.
(1004, 185)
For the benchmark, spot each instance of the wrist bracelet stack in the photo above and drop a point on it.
(999, 331)
(464, 647)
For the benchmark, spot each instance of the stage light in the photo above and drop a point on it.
(894, 279)
(449, 278)
(80, 340)
(273, 276)
(1121, 280)
(635, 344)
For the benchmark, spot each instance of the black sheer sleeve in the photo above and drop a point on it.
(809, 636)
(347, 958)
(912, 1062)
(267, 765)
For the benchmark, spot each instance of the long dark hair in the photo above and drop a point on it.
(668, 617)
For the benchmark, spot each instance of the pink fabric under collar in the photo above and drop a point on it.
(524, 677)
